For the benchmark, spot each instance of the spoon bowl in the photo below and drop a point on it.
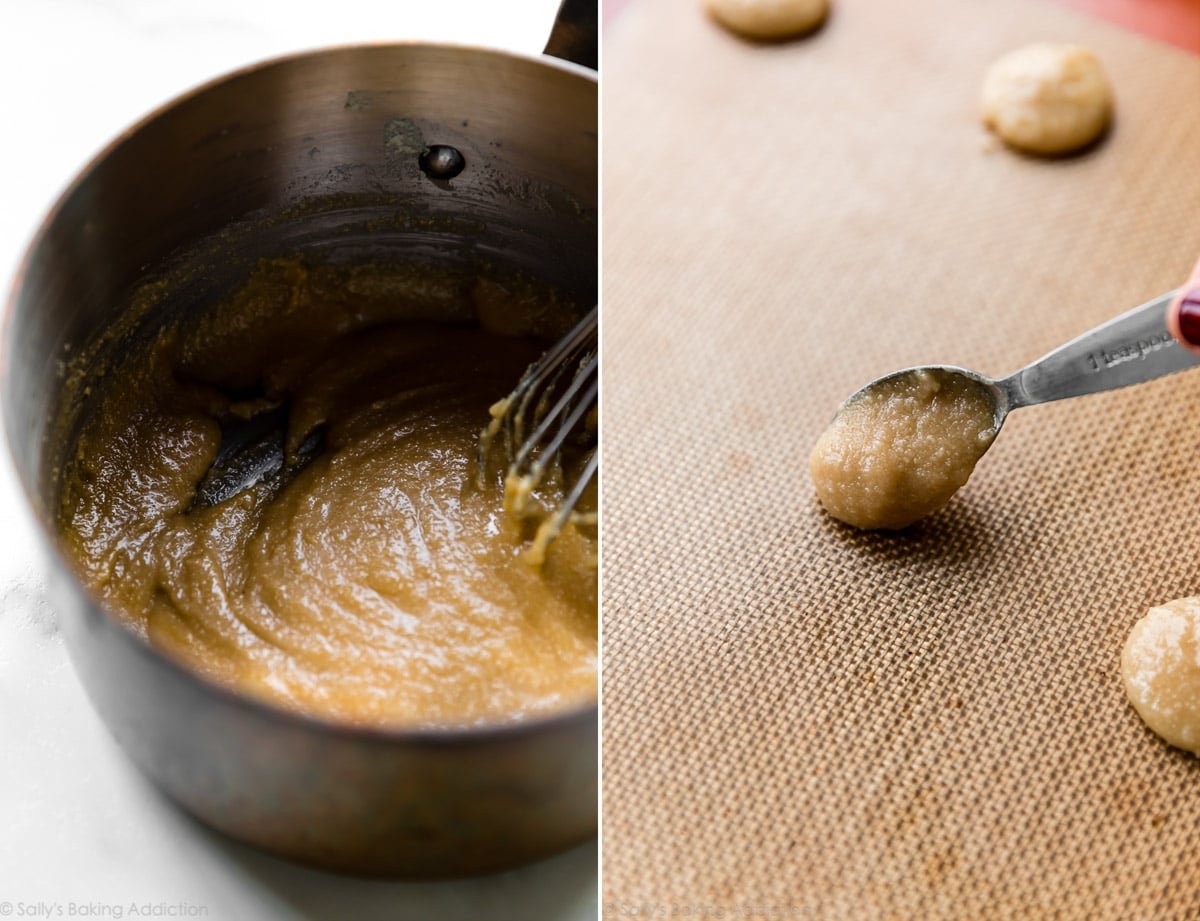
(1133, 348)
(996, 391)
(900, 447)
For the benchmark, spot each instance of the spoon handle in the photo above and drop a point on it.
(1134, 347)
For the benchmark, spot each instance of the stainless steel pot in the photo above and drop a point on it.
(317, 152)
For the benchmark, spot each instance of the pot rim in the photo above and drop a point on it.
(431, 736)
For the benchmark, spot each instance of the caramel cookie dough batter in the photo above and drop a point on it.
(1161, 668)
(769, 20)
(1047, 99)
(899, 451)
(382, 584)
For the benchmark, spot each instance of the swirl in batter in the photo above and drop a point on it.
(380, 585)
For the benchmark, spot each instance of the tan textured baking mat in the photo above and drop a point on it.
(805, 722)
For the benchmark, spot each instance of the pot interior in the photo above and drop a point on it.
(319, 156)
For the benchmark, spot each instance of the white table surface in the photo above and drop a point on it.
(82, 833)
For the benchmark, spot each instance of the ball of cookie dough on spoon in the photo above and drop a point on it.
(1047, 99)
(1161, 669)
(769, 20)
(902, 446)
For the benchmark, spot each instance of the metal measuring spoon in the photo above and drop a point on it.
(888, 467)
(1134, 348)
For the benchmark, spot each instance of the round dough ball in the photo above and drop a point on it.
(1047, 99)
(769, 19)
(1161, 668)
(899, 450)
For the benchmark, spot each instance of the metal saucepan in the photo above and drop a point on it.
(317, 152)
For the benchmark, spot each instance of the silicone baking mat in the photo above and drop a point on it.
(802, 721)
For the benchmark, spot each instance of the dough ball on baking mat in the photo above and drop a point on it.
(1161, 668)
(1047, 99)
(769, 20)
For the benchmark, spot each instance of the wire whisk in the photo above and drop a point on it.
(548, 429)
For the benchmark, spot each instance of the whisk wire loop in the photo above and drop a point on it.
(555, 399)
